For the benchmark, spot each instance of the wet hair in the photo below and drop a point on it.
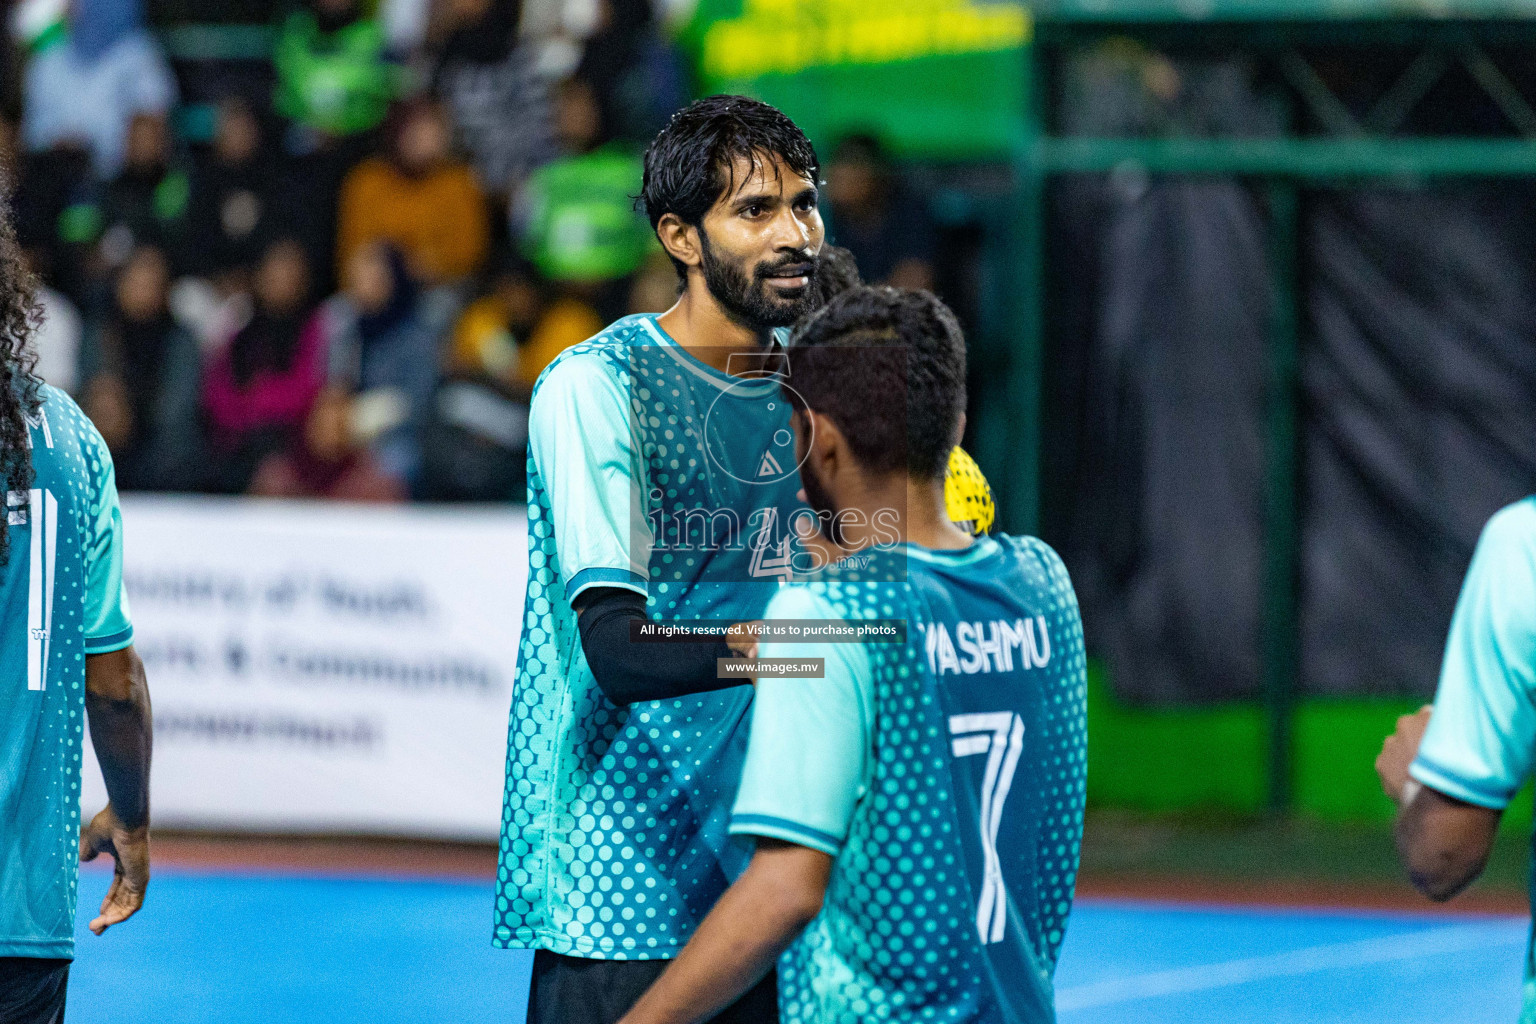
(19, 384)
(690, 163)
(887, 365)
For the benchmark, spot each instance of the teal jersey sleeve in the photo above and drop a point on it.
(808, 756)
(1480, 740)
(584, 451)
(107, 625)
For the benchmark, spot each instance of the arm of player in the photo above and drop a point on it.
(628, 671)
(581, 442)
(1443, 842)
(742, 938)
(117, 707)
(807, 764)
(1454, 768)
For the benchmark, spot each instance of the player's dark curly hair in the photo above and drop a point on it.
(689, 165)
(19, 398)
(887, 366)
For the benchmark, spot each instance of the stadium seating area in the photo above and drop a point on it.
(334, 266)
(327, 254)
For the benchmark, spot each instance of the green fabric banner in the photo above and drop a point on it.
(937, 79)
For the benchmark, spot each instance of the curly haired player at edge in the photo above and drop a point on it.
(651, 495)
(917, 811)
(67, 647)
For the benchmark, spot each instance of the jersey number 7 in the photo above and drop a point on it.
(999, 735)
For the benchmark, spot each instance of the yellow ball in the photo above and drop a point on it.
(967, 495)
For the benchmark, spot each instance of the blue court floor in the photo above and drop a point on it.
(243, 949)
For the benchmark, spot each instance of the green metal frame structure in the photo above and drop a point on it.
(1348, 149)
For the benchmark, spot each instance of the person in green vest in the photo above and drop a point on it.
(576, 214)
(332, 73)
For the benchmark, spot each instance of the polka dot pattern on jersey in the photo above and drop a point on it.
(614, 841)
(73, 481)
(898, 937)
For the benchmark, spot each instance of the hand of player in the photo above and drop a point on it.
(742, 640)
(130, 850)
(1399, 750)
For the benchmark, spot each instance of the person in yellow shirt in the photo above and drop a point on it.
(419, 198)
(510, 334)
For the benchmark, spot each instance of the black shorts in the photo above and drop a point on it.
(574, 990)
(32, 990)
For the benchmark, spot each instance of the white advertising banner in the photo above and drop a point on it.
(323, 667)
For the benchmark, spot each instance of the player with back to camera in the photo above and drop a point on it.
(967, 494)
(661, 484)
(66, 658)
(1453, 768)
(918, 811)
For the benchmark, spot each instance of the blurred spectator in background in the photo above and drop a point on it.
(263, 380)
(637, 77)
(383, 354)
(477, 434)
(655, 288)
(83, 85)
(364, 191)
(58, 337)
(146, 204)
(333, 75)
(576, 217)
(475, 444)
(476, 438)
(560, 27)
(308, 197)
(326, 460)
(419, 199)
(44, 185)
(888, 232)
(335, 84)
(142, 381)
(405, 24)
(492, 87)
(58, 217)
(233, 203)
(510, 334)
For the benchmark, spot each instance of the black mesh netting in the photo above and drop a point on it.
(1418, 318)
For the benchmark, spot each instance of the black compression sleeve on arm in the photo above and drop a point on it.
(627, 671)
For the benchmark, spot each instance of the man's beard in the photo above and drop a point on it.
(821, 503)
(752, 302)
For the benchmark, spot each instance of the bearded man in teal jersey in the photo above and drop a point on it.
(662, 485)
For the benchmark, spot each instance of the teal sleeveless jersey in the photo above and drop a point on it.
(61, 598)
(651, 471)
(946, 774)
